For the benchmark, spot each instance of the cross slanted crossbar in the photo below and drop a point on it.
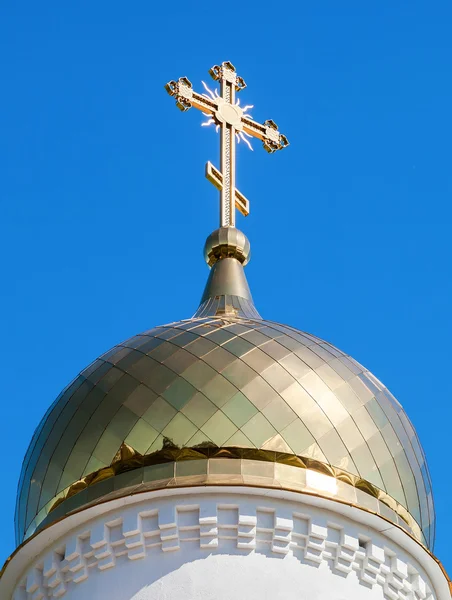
(234, 123)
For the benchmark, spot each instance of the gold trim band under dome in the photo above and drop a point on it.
(132, 473)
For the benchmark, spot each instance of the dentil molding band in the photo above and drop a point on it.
(254, 524)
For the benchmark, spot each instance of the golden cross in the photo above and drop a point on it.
(234, 123)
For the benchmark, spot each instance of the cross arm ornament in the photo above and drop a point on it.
(272, 139)
(186, 97)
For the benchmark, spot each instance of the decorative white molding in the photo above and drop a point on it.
(260, 526)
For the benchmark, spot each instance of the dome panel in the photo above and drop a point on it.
(206, 384)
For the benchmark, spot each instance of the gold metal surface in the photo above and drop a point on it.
(227, 242)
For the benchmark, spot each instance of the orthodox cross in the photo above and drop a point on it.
(234, 124)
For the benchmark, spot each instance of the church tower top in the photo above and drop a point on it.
(215, 445)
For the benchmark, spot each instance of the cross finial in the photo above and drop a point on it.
(234, 124)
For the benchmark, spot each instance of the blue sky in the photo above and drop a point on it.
(105, 208)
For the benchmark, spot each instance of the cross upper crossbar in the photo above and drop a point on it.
(234, 123)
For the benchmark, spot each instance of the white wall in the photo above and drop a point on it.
(222, 544)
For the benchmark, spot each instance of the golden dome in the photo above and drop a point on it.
(226, 399)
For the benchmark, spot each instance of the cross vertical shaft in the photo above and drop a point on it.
(227, 160)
